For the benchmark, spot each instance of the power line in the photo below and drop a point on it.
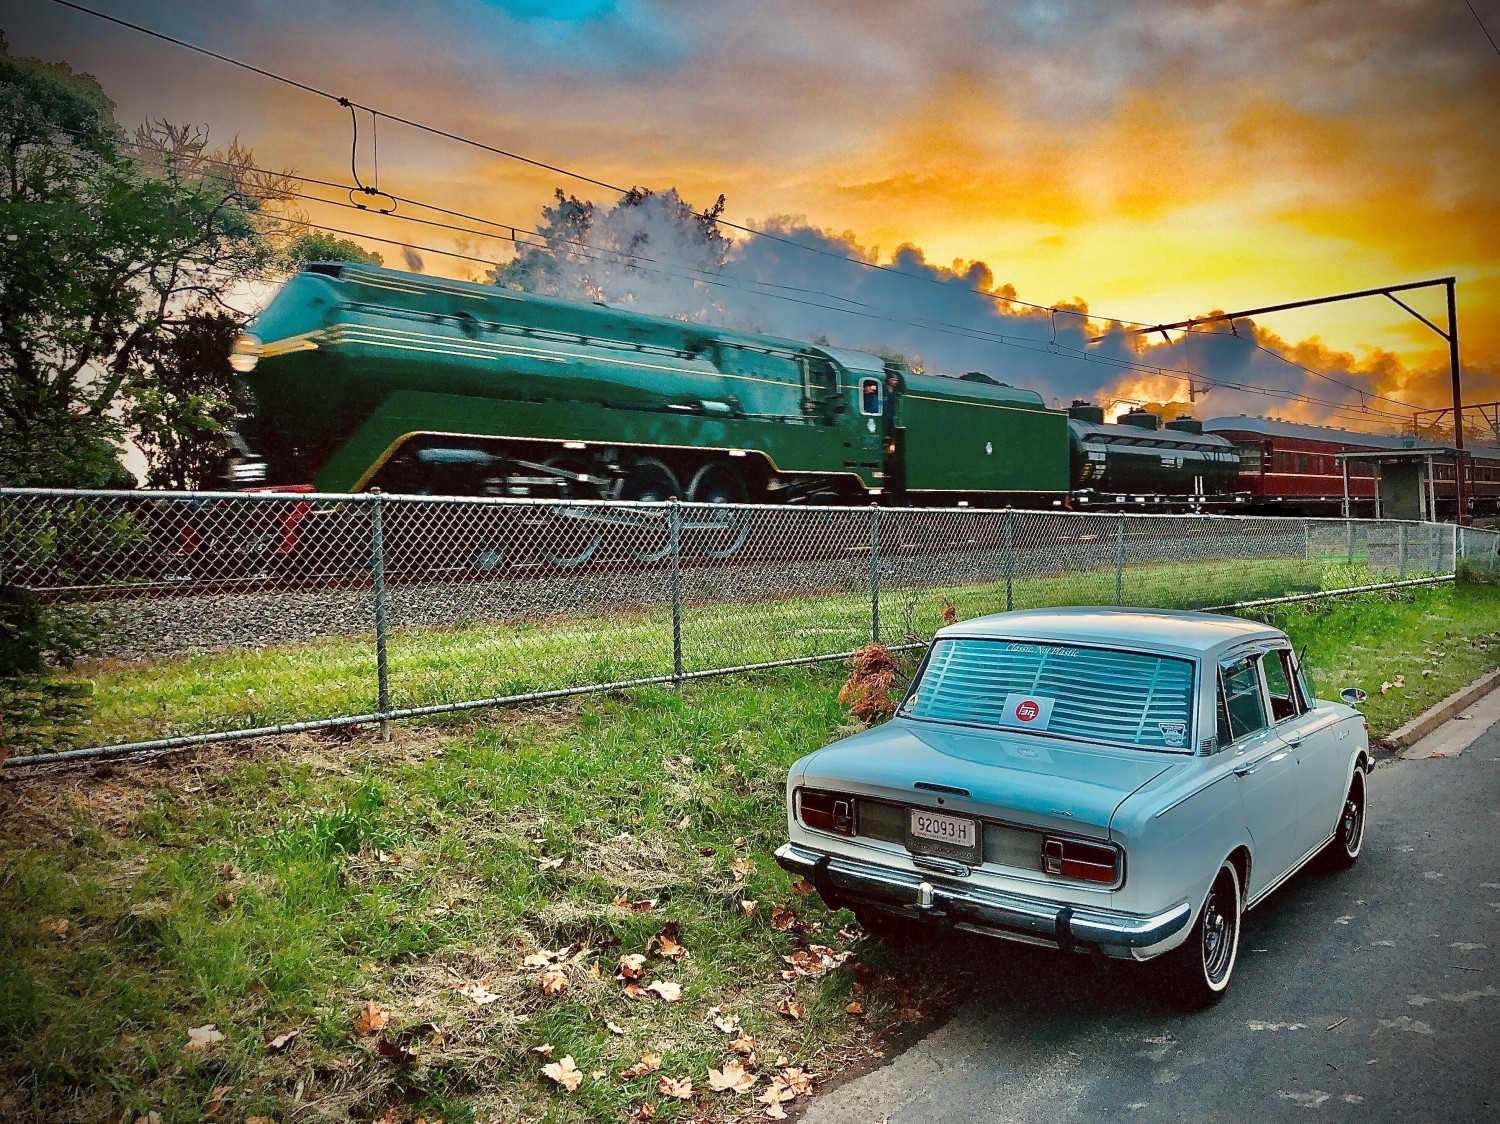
(514, 232)
(579, 176)
(1482, 28)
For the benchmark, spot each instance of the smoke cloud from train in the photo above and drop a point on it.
(935, 318)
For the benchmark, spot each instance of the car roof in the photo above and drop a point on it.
(1170, 630)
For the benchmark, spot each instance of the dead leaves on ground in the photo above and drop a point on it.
(649, 1063)
(665, 944)
(681, 1089)
(733, 1077)
(202, 1037)
(565, 1072)
(371, 1018)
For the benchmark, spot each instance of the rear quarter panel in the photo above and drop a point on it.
(1176, 832)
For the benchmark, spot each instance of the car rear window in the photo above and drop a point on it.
(1099, 694)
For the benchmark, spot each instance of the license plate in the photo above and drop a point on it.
(935, 831)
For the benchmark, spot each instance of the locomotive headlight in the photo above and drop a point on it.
(245, 353)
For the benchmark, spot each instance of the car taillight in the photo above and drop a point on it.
(826, 811)
(1087, 862)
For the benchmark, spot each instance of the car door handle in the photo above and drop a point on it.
(1293, 743)
(1246, 769)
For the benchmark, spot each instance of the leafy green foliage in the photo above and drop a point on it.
(114, 248)
(318, 245)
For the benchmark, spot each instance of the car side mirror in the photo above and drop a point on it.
(1353, 696)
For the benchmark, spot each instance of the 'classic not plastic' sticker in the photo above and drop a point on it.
(1026, 712)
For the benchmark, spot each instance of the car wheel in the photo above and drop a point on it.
(1349, 839)
(1197, 972)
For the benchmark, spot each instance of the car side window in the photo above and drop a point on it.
(1241, 709)
(1281, 681)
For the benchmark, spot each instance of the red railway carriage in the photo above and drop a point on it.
(1294, 469)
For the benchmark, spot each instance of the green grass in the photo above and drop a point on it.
(243, 688)
(357, 872)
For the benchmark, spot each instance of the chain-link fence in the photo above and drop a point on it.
(214, 616)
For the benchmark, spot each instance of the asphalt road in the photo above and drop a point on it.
(1372, 994)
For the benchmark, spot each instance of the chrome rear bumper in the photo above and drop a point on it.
(846, 882)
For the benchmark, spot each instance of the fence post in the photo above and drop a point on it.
(875, 573)
(1401, 550)
(382, 612)
(1120, 560)
(1010, 560)
(674, 519)
(1458, 546)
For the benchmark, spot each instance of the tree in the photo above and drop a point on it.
(320, 246)
(184, 400)
(108, 256)
(650, 250)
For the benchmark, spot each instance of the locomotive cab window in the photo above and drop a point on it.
(870, 397)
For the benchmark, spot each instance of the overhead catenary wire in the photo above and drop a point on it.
(581, 177)
(518, 235)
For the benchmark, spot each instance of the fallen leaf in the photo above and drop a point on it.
(623, 902)
(708, 852)
(642, 1112)
(802, 887)
(742, 868)
(215, 1101)
(789, 1007)
(669, 991)
(372, 1017)
(566, 1073)
(478, 991)
(744, 1045)
(672, 1087)
(614, 1028)
(545, 863)
(632, 967)
(202, 1037)
(727, 769)
(633, 990)
(397, 1051)
(729, 1024)
(1400, 681)
(649, 1063)
(739, 844)
(785, 920)
(554, 981)
(281, 1041)
(223, 899)
(665, 945)
(775, 1112)
(799, 1081)
(748, 907)
(731, 1077)
(229, 872)
(541, 958)
(855, 1009)
(684, 823)
(545, 1049)
(57, 926)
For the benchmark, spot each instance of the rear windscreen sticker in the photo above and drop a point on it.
(1026, 712)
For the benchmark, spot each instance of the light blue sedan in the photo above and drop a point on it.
(1121, 781)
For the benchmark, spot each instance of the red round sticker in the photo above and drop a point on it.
(1027, 710)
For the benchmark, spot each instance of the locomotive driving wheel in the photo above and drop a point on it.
(718, 534)
(571, 536)
(650, 481)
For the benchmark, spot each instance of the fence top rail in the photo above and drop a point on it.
(666, 505)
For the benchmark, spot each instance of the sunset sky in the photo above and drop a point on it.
(1154, 160)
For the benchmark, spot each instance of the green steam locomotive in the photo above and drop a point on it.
(368, 378)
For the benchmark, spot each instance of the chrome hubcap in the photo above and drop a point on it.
(1218, 936)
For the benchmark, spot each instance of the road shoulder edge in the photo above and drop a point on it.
(1414, 730)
